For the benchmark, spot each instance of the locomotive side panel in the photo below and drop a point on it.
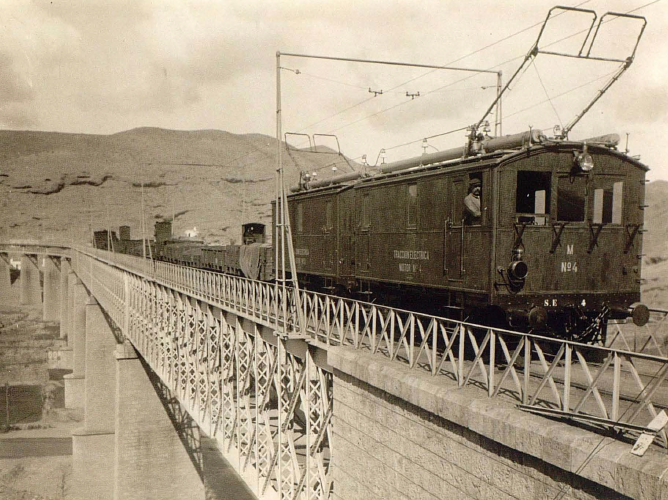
(314, 233)
(432, 208)
(381, 232)
(346, 237)
(402, 236)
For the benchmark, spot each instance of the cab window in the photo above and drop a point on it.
(300, 217)
(472, 203)
(532, 198)
(607, 201)
(571, 196)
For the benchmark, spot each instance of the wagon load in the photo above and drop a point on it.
(249, 260)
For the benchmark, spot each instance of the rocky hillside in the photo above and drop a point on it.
(656, 222)
(55, 185)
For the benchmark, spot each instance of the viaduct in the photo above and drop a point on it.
(330, 398)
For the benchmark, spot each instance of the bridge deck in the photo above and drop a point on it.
(250, 361)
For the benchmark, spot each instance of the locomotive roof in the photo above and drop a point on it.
(473, 162)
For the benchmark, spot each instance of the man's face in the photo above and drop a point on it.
(476, 192)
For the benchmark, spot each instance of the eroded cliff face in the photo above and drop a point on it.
(60, 186)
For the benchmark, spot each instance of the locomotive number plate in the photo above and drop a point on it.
(569, 267)
(555, 303)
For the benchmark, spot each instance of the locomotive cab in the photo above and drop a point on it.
(253, 232)
(568, 239)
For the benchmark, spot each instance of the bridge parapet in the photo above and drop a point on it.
(27, 248)
(261, 396)
(405, 435)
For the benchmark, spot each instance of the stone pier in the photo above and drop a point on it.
(151, 461)
(75, 381)
(31, 289)
(52, 290)
(6, 295)
(61, 358)
(65, 270)
(72, 280)
(93, 445)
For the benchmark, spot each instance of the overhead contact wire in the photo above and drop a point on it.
(433, 70)
(492, 67)
(465, 78)
(533, 63)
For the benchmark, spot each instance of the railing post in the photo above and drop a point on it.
(527, 369)
(393, 322)
(567, 378)
(328, 319)
(356, 326)
(374, 325)
(411, 345)
(492, 362)
(460, 356)
(616, 376)
(434, 339)
(342, 324)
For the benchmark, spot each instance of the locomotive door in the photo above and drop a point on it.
(346, 244)
(364, 225)
(328, 237)
(454, 231)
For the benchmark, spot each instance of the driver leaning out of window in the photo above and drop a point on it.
(472, 203)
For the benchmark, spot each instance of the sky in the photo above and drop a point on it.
(105, 66)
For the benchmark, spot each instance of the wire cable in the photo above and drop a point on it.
(439, 89)
(560, 95)
(533, 63)
(433, 70)
(493, 67)
(364, 101)
(492, 44)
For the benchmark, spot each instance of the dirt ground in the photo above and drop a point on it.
(36, 447)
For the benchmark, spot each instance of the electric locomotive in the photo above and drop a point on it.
(523, 230)
(555, 247)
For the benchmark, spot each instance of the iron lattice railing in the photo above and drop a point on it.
(262, 401)
(615, 386)
(611, 386)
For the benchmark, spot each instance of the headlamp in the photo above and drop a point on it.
(518, 270)
(584, 160)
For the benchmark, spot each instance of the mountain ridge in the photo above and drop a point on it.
(60, 185)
